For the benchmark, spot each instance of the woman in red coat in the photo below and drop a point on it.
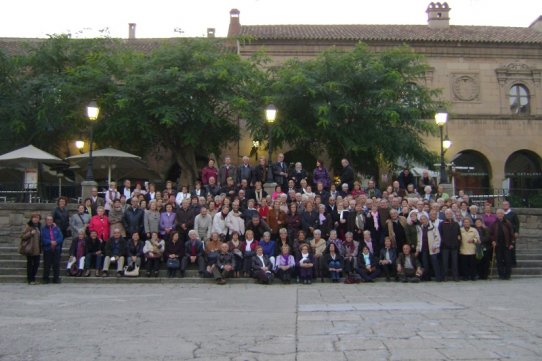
(100, 224)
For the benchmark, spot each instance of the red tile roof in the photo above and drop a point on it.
(474, 34)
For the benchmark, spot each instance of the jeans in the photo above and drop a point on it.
(98, 261)
(334, 274)
(430, 260)
(446, 255)
(51, 258)
(32, 265)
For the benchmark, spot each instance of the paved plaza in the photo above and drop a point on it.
(493, 320)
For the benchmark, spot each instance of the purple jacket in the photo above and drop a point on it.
(281, 261)
(321, 175)
(167, 222)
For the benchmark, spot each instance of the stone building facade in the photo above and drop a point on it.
(490, 77)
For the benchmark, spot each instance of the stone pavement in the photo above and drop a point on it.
(494, 320)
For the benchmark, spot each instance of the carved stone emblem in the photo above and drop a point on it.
(466, 88)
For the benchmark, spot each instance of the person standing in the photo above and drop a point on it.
(226, 171)
(347, 174)
(133, 218)
(51, 243)
(503, 242)
(321, 175)
(513, 218)
(61, 216)
(450, 236)
(31, 234)
(110, 196)
(280, 172)
(208, 172)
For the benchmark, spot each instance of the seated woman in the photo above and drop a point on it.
(212, 248)
(261, 267)
(95, 248)
(135, 251)
(174, 251)
(318, 245)
(351, 251)
(153, 250)
(285, 265)
(388, 258)
(306, 265)
(368, 266)
(248, 246)
(408, 267)
(333, 262)
(77, 254)
(235, 248)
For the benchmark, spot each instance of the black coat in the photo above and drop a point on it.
(348, 176)
(61, 218)
(450, 234)
(133, 220)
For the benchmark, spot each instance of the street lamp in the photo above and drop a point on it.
(441, 118)
(79, 144)
(92, 114)
(270, 116)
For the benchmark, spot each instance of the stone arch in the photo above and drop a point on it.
(524, 169)
(472, 171)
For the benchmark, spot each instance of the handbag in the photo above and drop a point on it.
(479, 251)
(25, 248)
(131, 271)
(173, 263)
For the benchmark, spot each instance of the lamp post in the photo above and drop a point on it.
(80, 145)
(92, 114)
(441, 118)
(270, 116)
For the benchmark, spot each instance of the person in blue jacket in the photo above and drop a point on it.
(51, 243)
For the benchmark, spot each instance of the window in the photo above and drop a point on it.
(519, 99)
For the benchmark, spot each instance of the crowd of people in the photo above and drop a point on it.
(307, 228)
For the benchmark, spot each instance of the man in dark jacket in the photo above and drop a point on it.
(347, 174)
(193, 253)
(450, 237)
(408, 266)
(309, 219)
(513, 218)
(224, 266)
(115, 251)
(133, 219)
(51, 244)
(502, 239)
(184, 220)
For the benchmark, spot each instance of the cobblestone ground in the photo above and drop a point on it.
(493, 320)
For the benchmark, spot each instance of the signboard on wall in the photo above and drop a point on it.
(31, 178)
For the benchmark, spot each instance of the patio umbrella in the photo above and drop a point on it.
(125, 164)
(28, 159)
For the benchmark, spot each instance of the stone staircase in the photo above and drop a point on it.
(13, 267)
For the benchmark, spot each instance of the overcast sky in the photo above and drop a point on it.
(159, 18)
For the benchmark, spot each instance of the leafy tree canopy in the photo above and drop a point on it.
(368, 107)
(184, 98)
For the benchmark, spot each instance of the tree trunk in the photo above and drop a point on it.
(186, 157)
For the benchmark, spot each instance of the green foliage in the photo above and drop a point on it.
(361, 105)
(44, 93)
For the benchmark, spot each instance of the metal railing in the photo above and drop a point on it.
(524, 198)
(32, 193)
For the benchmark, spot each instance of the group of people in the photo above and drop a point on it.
(227, 225)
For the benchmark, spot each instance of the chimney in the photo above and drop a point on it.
(235, 25)
(438, 15)
(131, 30)
(537, 24)
(210, 32)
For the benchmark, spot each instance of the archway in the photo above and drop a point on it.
(524, 169)
(471, 172)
